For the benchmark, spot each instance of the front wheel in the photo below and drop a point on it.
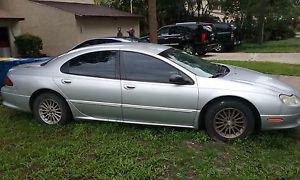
(51, 109)
(219, 48)
(229, 119)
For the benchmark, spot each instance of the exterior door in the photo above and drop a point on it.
(4, 42)
(149, 98)
(91, 83)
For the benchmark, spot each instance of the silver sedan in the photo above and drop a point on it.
(152, 85)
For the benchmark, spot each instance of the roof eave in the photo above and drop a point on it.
(97, 16)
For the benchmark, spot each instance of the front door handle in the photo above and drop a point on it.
(66, 81)
(128, 87)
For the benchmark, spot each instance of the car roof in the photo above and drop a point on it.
(138, 47)
(112, 38)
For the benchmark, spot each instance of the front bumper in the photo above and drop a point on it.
(288, 121)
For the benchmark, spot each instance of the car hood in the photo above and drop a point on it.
(247, 76)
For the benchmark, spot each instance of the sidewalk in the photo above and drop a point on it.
(290, 58)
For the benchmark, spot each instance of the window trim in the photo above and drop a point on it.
(117, 66)
(123, 76)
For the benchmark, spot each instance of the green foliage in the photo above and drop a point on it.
(279, 22)
(29, 45)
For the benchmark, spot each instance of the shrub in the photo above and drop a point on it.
(29, 45)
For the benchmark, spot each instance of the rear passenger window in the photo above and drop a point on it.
(96, 64)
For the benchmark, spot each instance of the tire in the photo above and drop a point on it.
(223, 128)
(51, 109)
(188, 48)
(220, 48)
(201, 52)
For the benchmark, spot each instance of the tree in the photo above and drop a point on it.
(152, 21)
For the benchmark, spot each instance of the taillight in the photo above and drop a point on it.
(7, 81)
(203, 37)
(232, 36)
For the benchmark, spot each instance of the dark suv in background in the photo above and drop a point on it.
(192, 37)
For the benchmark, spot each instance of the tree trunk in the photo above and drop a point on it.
(261, 20)
(152, 21)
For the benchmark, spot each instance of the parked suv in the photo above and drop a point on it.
(192, 37)
(226, 36)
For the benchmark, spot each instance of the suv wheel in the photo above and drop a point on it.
(189, 48)
(219, 48)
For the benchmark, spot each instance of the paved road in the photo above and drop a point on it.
(291, 58)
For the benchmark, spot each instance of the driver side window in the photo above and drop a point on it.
(141, 67)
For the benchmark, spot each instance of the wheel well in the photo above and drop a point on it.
(249, 104)
(41, 91)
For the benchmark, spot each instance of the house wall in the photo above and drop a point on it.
(106, 27)
(60, 30)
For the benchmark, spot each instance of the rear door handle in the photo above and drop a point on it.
(128, 87)
(66, 81)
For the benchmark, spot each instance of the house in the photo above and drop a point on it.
(60, 23)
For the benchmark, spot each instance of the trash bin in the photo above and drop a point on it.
(7, 63)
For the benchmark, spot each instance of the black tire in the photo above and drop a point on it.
(61, 108)
(201, 52)
(220, 48)
(213, 118)
(189, 48)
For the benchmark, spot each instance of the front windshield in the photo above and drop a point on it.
(194, 64)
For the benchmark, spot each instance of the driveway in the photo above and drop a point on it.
(291, 58)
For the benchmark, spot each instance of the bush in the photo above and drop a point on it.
(29, 45)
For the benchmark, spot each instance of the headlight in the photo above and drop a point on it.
(289, 100)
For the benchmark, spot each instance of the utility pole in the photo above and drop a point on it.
(152, 21)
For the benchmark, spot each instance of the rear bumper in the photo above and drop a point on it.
(288, 121)
(15, 101)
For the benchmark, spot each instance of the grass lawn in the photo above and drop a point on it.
(267, 67)
(121, 151)
(291, 45)
(111, 150)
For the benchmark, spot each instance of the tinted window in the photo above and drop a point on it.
(163, 31)
(97, 64)
(87, 43)
(140, 67)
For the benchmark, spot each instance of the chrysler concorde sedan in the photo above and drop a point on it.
(152, 85)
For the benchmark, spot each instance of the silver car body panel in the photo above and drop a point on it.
(149, 103)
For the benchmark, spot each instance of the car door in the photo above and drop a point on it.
(91, 83)
(163, 35)
(149, 98)
(175, 37)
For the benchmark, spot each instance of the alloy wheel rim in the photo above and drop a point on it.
(50, 111)
(230, 123)
(218, 48)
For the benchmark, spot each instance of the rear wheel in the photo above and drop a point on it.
(51, 109)
(229, 119)
(189, 48)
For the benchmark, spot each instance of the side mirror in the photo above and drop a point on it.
(177, 79)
